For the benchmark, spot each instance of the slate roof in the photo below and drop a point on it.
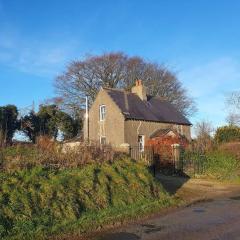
(161, 132)
(154, 109)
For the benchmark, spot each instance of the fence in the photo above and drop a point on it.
(169, 160)
(192, 164)
(146, 155)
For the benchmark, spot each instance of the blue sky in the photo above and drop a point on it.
(197, 39)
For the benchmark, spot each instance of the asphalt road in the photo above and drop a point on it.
(216, 219)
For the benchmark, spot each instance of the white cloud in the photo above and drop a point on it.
(38, 58)
(208, 84)
(220, 75)
(42, 61)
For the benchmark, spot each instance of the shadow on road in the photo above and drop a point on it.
(172, 183)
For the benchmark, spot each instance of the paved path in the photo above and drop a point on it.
(214, 220)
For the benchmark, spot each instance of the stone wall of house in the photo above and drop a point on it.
(112, 127)
(133, 128)
(119, 131)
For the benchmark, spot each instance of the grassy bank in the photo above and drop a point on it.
(37, 203)
(222, 166)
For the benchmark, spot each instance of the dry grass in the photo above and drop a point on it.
(47, 153)
(231, 148)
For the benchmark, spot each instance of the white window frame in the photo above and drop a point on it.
(102, 114)
(100, 140)
(141, 144)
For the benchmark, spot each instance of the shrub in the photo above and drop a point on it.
(217, 163)
(227, 134)
(221, 165)
(49, 154)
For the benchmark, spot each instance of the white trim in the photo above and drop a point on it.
(103, 106)
(101, 139)
(142, 143)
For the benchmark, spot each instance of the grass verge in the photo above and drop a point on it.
(39, 203)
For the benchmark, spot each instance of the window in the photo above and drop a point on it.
(103, 140)
(141, 143)
(102, 112)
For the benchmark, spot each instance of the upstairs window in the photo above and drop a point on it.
(102, 112)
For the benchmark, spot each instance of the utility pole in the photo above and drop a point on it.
(33, 107)
(87, 119)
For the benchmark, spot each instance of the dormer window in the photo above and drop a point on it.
(102, 112)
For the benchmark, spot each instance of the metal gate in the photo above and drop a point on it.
(192, 165)
(174, 161)
(146, 155)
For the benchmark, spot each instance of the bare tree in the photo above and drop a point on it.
(117, 70)
(233, 106)
(203, 132)
(233, 119)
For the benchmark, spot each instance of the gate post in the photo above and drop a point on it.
(125, 147)
(176, 154)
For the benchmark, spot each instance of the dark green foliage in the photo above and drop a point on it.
(39, 202)
(31, 126)
(67, 125)
(48, 121)
(8, 123)
(227, 134)
(47, 115)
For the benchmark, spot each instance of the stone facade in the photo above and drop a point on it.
(134, 128)
(112, 127)
(121, 132)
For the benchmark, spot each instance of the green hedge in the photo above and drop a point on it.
(227, 134)
(221, 165)
(40, 202)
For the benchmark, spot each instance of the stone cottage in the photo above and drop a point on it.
(122, 118)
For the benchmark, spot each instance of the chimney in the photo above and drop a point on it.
(140, 90)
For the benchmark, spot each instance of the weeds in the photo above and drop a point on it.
(51, 155)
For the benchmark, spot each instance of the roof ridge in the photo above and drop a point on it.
(158, 97)
(115, 89)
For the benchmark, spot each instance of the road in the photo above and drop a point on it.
(212, 213)
(218, 217)
(213, 219)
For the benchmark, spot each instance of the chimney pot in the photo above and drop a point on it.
(140, 89)
(138, 82)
